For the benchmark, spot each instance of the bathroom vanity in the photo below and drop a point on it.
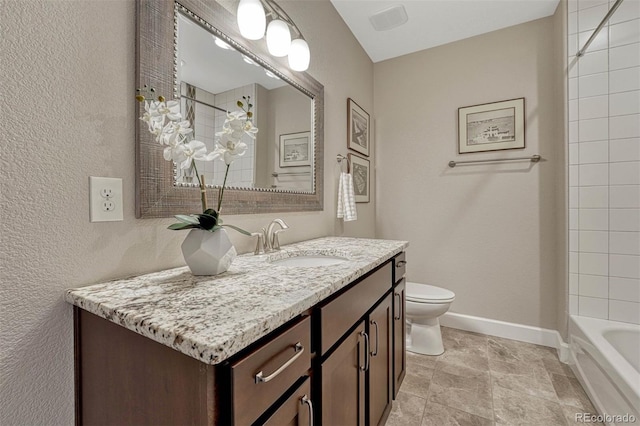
(265, 343)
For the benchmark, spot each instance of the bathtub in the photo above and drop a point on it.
(605, 356)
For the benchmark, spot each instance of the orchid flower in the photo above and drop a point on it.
(165, 123)
(170, 109)
(231, 151)
(185, 153)
(176, 132)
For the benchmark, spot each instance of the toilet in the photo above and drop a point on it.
(424, 306)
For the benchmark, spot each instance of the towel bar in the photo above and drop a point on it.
(534, 159)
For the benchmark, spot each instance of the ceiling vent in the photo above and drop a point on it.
(389, 18)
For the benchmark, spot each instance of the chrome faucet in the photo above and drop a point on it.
(270, 234)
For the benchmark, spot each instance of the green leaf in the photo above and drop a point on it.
(187, 219)
(240, 230)
(240, 104)
(181, 225)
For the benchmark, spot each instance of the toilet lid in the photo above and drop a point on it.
(428, 293)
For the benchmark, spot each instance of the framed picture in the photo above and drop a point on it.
(491, 127)
(357, 128)
(294, 149)
(360, 173)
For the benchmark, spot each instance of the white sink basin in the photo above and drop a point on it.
(309, 260)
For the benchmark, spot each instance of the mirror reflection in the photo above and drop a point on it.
(212, 77)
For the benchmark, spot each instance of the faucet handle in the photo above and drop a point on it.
(275, 244)
(260, 242)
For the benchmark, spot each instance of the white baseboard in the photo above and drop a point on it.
(508, 330)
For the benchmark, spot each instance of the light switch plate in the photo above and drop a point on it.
(105, 199)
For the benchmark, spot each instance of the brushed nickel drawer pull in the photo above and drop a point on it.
(305, 400)
(401, 263)
(375, 353)
(367, 347)
(298, 348)
(399, 306)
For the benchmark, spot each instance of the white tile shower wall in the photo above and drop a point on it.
(604, 161)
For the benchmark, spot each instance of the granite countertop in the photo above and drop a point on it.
(211, 318)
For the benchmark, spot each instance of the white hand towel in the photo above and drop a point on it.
(346, 198)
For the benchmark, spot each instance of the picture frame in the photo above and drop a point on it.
(494, 126)
(358, 128)
(294, 150)
(361, 172)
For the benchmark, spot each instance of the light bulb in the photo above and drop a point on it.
(221, 44)
(299, 55)
(278, 38)
(270, 74)
(251, 19)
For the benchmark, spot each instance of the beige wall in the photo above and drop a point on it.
(68, 113)
(487, 232)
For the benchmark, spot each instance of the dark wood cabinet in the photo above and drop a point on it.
(399, 335)
(345, 356)
(296, 410)
(342, 312)
(259, 378)
(343, 381)
(380, 373)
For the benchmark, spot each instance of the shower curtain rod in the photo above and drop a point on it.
(581, 52)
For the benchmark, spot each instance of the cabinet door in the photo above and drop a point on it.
(381, 354)
(343, 378)
(399, 336)
(297, 410)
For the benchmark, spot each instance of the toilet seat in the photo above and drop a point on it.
(425, 293)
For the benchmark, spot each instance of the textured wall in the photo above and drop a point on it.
(68, 80)
(487, 232)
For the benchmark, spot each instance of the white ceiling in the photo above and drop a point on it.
(435, 22)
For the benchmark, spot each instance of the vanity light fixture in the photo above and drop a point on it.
(251, 18)
(270, 74)
(278, 38)
(249, 60)
(221, 44)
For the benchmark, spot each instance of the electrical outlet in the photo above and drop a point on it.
(108, 206)
(105, 196)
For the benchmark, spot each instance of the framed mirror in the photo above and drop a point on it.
(193, 51)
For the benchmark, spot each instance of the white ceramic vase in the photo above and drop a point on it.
(208, 253)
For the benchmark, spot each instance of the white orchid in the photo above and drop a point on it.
(165, 123)
(231, 151)
(185, 153)
(176, 132)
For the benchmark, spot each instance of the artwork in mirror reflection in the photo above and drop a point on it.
(212, 77)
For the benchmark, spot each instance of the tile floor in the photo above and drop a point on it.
(484, 380)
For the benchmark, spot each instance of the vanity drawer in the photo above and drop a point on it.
(296, 410)
(261, 377)
(343, 312)
(399, 267)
